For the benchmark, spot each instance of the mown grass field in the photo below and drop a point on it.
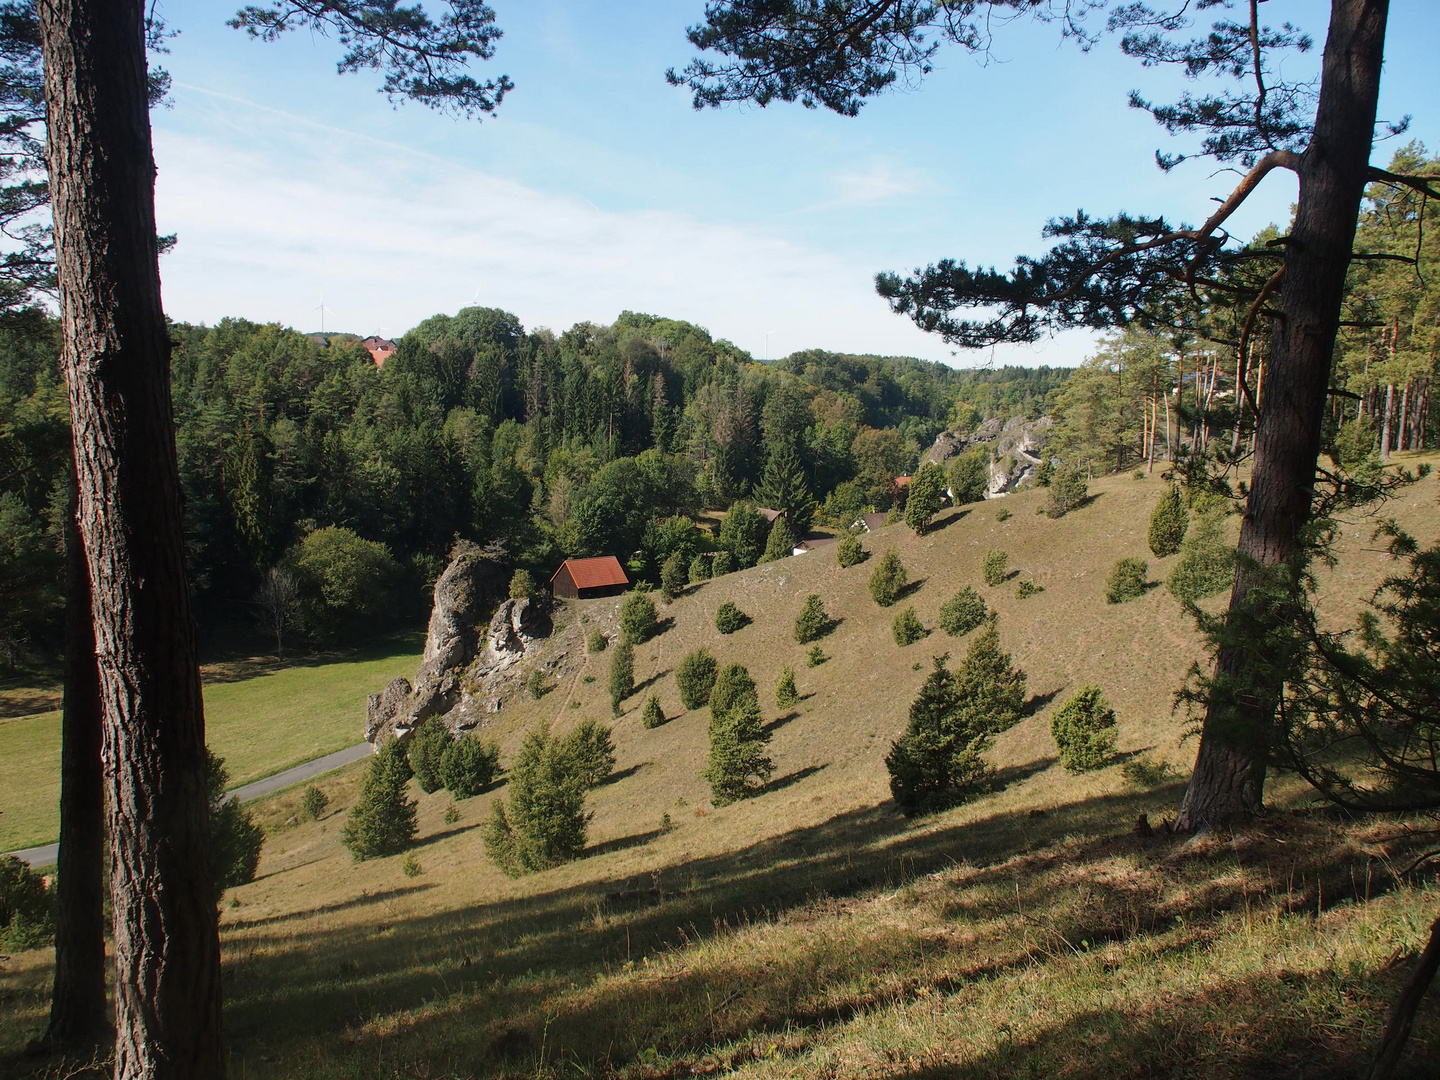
(812, 930)
(261, 717)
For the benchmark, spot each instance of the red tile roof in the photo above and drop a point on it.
(594, 573)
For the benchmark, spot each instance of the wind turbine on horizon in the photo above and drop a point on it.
(322, 309)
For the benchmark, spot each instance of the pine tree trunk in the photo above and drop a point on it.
(116, 357)
(77, 1006)
(1385, 424)
(1229, 777)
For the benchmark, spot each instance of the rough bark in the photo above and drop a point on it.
(1402, 1020)
(1229, 776)
(77, 1007)
(116, 360)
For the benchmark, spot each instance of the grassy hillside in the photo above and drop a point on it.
(261, 717)
(814, 931)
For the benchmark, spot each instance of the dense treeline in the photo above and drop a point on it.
(1191, 390)
(323, 492)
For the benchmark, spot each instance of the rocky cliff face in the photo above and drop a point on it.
(1015, 447)
(475, 640)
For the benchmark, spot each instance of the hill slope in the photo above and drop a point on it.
(812, 930)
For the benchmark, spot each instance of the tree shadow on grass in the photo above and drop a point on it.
(651, 681)
(283, 994)
(443, 834)
(1038, 702)
(363, 900)
(624, 774)
(1016, 774)
(945, 522)
(790, 779)
(621, 843)
(781, 721)
(911, 588)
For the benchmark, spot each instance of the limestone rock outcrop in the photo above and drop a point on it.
(1016, 446)
(474, 650)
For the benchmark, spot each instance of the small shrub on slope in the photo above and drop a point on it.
(722, 564)
(738, 765)
(1068, 490)
(1027, 589)
(652, 716)
(313, 802)
(970, 475)
(1168, 522)
(622, 674)
(638, 621)
(235, 837)
(522, 585)
(990, 685)
(597, 641)
(382, 821)
(786, 695)
(1084, 729)
(428, 743)
(815, 657)
(996, 566)
(963, 612)
(1207, 561)
(907, 627)
(730, 618)
(1126, 581)
(694, 677)
(887, 580)
(469, 765)
(813, 622)
(543, 823)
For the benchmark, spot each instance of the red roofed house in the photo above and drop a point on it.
(379, 349)
(768, 514)
(578, 579)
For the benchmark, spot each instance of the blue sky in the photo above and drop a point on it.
(597, 187)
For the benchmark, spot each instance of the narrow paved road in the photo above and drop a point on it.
(46, 853)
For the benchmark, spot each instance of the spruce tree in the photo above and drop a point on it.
(235, 837)
(783, 488)
(723, 563)
(937, 763)
(738, 765)
(991, 688)
(907, 627)
(427, 743)
(699, 569)
(786, 695)
(382, 821)
(887, 580)
(588, 752)
(1084, 730)
(694, 678)
(622, 674)
(742, 535)
(850, 551)
(1168, 523)
(674, 576)
(781, 542)
(924, 497)
(996, 566)
(469, 765)
(813, 622)
(638, 621)
(652, 716)
(543, 824)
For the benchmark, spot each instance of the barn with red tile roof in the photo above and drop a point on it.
(579, 579)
